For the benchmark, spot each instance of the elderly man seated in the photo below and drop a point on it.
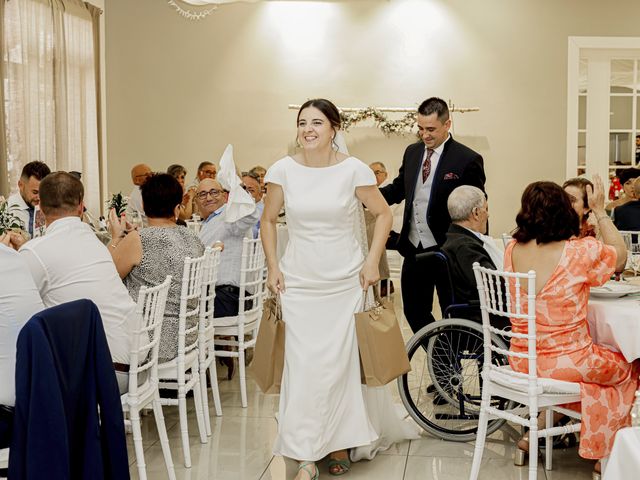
(23, 203)
(466, 241)
(212, 200)
(19, 300)
(139, 175)
(69, 263)
(251, 183)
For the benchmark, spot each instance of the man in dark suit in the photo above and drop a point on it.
(430, 170)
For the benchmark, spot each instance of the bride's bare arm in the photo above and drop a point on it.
(376, 204)
(273, 203)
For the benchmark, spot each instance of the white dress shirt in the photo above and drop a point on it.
(420, 233)
(19, 300)
(215, 229)
(20, 209)
(69, 263)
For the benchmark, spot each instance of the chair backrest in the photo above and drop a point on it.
(189, 316)
(208, 291)
(506, 238)
(253, 279)
(502, 294)
(146, 337)
(631, 240)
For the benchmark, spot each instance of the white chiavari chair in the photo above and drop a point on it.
(253, 281)
(206, 332)
(182, 373)
(143, 372)
(502, 293)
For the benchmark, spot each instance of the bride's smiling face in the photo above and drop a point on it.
(314, 129)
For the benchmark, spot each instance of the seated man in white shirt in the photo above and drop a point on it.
(139, 175)
(212, 200)
(251, 183)
(23, 203)
(19, 300)
(69, 263)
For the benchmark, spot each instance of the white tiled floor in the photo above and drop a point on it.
(240, 448)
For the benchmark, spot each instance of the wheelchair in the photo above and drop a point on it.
(442, 392)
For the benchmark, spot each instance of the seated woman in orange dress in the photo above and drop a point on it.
(546, 240)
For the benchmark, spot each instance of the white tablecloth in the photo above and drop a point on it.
(615, 323)
(624, 461)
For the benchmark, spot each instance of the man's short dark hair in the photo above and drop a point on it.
(435, 105)
(161, 193)
(626, 174)
(35, 169)
(203, 164)
(60, 192)
(546, 214)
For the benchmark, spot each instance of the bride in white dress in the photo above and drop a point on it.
(321, 277)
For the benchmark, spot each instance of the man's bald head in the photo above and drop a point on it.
(210, 196)
(140, 173)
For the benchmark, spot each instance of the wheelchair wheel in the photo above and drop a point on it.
(442, 392)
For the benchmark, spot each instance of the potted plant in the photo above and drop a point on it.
(8, 220)
(117, 202)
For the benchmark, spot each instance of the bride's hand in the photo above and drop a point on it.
(369, 275)
(275, 281)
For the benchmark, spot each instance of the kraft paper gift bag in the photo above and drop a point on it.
(268, 356)
(383, 356)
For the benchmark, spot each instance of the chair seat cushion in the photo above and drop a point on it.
(500, 376)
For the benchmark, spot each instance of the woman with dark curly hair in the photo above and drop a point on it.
(577, 190)
(186, 205)
(547, 240)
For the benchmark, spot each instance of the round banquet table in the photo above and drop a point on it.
(615, 323)
(624, 461)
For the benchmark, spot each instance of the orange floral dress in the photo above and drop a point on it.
(565, 348)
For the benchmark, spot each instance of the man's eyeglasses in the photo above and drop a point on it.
(379, 172)
(213, 192)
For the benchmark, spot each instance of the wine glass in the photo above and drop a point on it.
(634, 257)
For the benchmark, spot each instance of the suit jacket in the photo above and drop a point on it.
(463, 248)
(68, 421)
(627, 216)
(458, 165)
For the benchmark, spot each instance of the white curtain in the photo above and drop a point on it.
(49, 87)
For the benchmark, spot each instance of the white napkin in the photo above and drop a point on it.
(240, 203)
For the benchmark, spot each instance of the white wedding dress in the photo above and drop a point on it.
(323, 407)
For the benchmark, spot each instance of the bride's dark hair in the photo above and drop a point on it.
(326, 107)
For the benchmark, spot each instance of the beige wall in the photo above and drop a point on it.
(178, 91)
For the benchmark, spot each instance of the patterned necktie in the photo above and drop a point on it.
(426, 167)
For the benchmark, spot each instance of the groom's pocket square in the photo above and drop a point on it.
(450, 176)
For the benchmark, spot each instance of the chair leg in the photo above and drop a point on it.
(215, 391)
(482, 431)
(533, 450)
(134, 414)
(184, 426)
(205, 397)
(243, 380)
(164, 440)
(197, 399)
(548, 441)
